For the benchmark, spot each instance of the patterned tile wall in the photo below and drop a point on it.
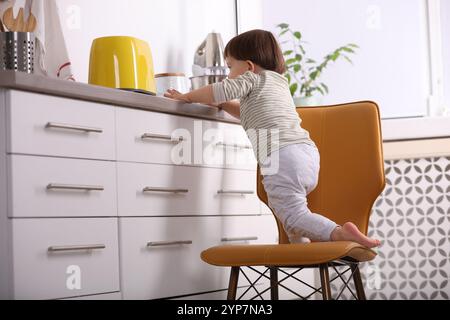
(412, 219)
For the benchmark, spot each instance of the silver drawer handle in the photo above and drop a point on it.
(235, 146)
(76, 248)
(53, 125)
(161, 137)
(239, 239)
(168, 243)
(166, 190)
(235, 192)
(57, 186)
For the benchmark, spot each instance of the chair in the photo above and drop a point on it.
(351, 179)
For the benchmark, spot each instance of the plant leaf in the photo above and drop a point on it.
(325, 87)
(310, 61)
(348, 59)
(297, 68)
(288, 52)
(298, 57)
(283, 26)
(353, 45)
(283, 32)
(288, 77)
(320, 90)
(347, 49)
(293, 88)
(298, 35)
(290, 61)
(314, 75)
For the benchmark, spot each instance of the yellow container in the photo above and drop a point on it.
(122, 63)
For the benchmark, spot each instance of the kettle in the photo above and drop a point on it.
(209, 57)
(122, 62)
(209, 62)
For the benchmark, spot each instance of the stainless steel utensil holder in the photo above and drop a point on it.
(17, 51)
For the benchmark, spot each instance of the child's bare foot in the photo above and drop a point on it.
(349, 232)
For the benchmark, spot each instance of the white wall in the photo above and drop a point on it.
(173, 28)
(391, 67)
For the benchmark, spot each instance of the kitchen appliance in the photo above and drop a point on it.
(209, 62)
(202, 81)
(122, 62)
(17, 51)
(166, 81)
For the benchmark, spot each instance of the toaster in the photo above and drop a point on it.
(123, 63)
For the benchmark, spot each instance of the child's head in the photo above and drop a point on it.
(254, 50)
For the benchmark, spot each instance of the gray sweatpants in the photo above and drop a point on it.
(289, 175)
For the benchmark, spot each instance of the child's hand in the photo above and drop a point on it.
(215, 105)
(174, 94)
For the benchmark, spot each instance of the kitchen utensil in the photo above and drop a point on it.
(8, 19)
(202, 81)
(2, 27)
(31, 23)
(123, 63)
(17, 51)
(29, 17)
(166, 81)
(14, 24)
(209, 57)
(20, 22)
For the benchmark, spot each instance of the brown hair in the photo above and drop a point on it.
(260, 47)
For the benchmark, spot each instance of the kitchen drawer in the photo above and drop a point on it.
(227, 145)
(151, 137)
(249, 229)
(222, 295)
(106, 296)
(162, 190)
(57, 187)
(45, 125)
(47, 264)
(265, 209)
(160, 257)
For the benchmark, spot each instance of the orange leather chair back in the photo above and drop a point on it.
(351, 167)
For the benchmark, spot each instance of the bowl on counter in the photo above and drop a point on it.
(202, 81)
(166, 81)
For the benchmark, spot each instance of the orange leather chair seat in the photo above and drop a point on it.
(285, 254)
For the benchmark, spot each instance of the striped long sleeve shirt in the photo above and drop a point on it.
(268, 113)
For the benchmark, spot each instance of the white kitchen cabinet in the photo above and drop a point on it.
(58, 258)
(105, 296)
(154, 190)
(44, 125)
(57, 187)
(222, 294)
(158, 138)
(73, 171)
(160, 257)
(151, 137)
(226, 145)
(265, 209)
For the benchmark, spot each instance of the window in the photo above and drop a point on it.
(445, 22)
(392, 66)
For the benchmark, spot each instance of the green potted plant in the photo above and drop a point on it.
(303, 73)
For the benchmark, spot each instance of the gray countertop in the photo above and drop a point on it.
(393, 129)
(83, 91)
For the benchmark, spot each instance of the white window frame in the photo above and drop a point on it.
(436, 104)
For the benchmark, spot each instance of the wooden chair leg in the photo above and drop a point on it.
(358, 282)
(274, 283)
(325, 280)
(233, 284)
